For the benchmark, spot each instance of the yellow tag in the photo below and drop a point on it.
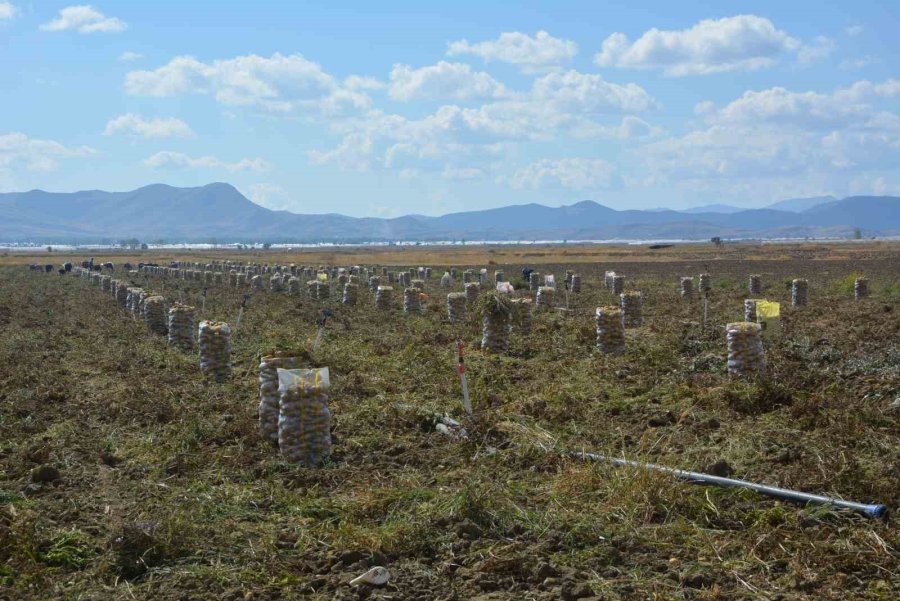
(768, 316)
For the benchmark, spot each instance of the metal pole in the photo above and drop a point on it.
(873, 510)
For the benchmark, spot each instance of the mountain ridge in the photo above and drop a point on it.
(219, 211)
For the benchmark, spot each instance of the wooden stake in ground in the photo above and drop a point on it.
(461, 370)
(705, 307)
(241, 311)
(321, 323)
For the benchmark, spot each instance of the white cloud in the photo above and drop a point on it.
(769, 137)
(820, 48)
(574, 173)
(271, 196)
(129, 56)
(558, 104)
(530, 54)
(7, 11)
(630, 128)
(17, 149)
(160, 127)
(359, 82)
(446, 81)
(854, 30)
(804, 109)
(462, 173)
(179, 160)
(722, 152)
(84, 19)
(852, 64)
(281, 84)
(574, 92)
(739, 43)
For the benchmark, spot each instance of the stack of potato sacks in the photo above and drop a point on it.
(496, 317)
(456, 307)
(632, 309)
(269, 397)
(155, 314)
(181, 327)
(705, 283)
(521, 315)
(384, 296)
(473, 289)
(750, 310)
(214, 340)
(799, 293)
(411, 304)
(755, 285)
(575, 283)
(304, 421)
(610, 330)
(544, 298)
(745, 350)
(351, 292)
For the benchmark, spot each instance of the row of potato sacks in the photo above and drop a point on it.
(293, 409)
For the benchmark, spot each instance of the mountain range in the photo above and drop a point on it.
(220, 212)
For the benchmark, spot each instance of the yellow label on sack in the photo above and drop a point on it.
(768, 316)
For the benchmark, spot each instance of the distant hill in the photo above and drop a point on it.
(220, 212)
(798, 205)
(714, 208)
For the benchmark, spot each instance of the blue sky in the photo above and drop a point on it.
(388, 108)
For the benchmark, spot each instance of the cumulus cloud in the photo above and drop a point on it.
(530, 54)
(739, 43)
(573, 173)
(160, 127)
(808, 109)
(84, 19)
(777, 134)
(557, 104)
(7, 11)
(575, 92)
(279, 83)
(820, 48)
(129, 56)
(359, 82)
(445, 81)
(854, 30)
(630, 128)
(19, 150)
(168, 159)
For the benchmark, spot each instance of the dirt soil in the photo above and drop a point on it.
(125, 475)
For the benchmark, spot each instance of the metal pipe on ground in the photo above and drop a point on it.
(869, 510)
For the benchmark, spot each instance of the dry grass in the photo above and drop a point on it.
(168, 492)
